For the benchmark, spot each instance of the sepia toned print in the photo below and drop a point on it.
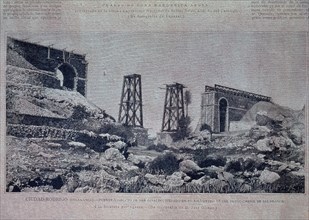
(156, 113)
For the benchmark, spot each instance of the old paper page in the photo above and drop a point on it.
(154, 109)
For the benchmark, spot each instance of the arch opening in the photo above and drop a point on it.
(223, 115)
(67, 76)
(60, 77)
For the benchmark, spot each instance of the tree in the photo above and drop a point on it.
(184, 129)
(187, 99)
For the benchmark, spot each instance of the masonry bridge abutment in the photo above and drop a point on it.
(68, 67)
(222, 106)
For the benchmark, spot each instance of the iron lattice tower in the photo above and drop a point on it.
(173, 107)
(131, 107)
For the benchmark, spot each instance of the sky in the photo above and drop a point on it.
(271, 64)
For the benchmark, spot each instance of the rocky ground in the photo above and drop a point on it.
(267, 158)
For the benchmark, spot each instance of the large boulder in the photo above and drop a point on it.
(105, 136)
(107, 183)
(270, 121)
(282, 168)
(139, 160)
(259, 132)
(269, 176)
(175, 180)
(190, 168)
(155, 179)
(300, 172)
(125, 166)
(264, 145)
(85, 189)
(113, 154)
(53, 145)
(115, 138)
(296, 133)
(280, 142)
(119, 145)
(76, 144)
(225, 176)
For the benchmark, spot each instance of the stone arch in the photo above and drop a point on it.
(223, 115)
(68, 76)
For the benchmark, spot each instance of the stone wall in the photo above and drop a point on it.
(34, 77)
(32, 131)
(14, 118)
